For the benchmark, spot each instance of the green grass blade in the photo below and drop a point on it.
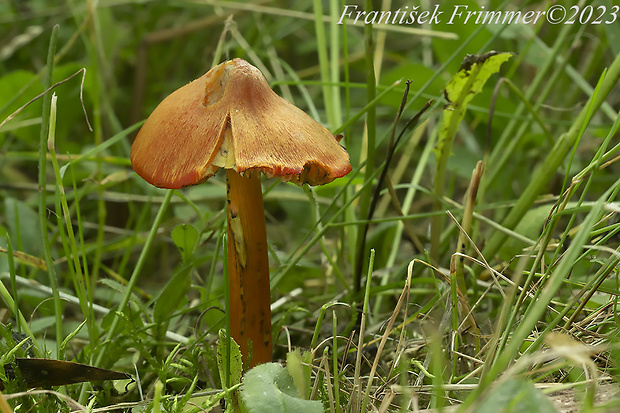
(43, 225)
(554, 159)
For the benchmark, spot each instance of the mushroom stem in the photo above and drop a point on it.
(248, 268)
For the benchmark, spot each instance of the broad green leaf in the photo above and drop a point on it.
(451, 22)
(25, 126)
(269, 388)
(118, 289)
(23, 227)
(516, 396)
(530, 227)
(184, 237)
(171, 296)
(612, 31)
(418, 74)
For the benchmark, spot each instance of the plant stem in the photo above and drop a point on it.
(112, 331)
(49, 261)
(554, 159)
(371, 120)
(248, 268)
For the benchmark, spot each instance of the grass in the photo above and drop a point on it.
(499, 300)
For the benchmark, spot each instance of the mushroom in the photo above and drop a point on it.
(230, 118)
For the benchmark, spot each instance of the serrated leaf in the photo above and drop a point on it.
(269, 388)
(235, 369)
(468, 81)
(184, 237)
(473, 74)
(230, 368)
(171, 296)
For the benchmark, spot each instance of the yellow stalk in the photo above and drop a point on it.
(248, 268)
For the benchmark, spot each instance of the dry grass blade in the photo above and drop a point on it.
(330, 393)
(388, 330)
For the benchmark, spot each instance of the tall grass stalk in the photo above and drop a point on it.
(21, 324)
(538, 307)
(356, 397)
(72, 251)
(43, 213)
(335, 369)
(511, 136)
(370, 133)
(335, 118)
(14, 307)
(135, 275)
(93, 42)
(321, 42)
(388, 330)
(555, 157)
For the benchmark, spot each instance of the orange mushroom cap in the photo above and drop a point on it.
(231, 118)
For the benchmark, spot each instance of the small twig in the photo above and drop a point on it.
(392, 145)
